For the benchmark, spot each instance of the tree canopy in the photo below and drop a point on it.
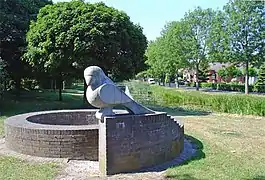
(84, 34)
(15, 18)
(239, 33)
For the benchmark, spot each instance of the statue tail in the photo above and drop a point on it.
(137, 108)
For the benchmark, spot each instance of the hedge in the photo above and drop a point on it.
(233, 87)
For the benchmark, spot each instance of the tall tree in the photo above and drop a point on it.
(15, 18)
(260, 83)
(163, 54)
(196, 28)
(239, 34)
(76, 32)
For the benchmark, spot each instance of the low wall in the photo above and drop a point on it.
(128, 143)
(36, 134)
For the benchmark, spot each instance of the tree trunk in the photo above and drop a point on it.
(18, 86)
(5, 85)
(197, 77)
(52, 85)
(84, 94)
(60, 87)
(177, 81)
(55, 84)
(246, 79)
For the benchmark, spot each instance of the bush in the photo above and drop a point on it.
(207, 85)
(233, 87)
(259, 88)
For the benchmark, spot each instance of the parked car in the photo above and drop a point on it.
(151, 81)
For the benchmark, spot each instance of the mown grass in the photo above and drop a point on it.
(225, 103)
(234, 148)
(15, 169)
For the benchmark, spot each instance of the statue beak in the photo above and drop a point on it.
(88, 80)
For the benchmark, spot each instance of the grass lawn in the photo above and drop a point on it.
(15, 169)
(234, 148)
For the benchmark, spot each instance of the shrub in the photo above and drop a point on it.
(233, 87)
(207, 85)
(260, 84)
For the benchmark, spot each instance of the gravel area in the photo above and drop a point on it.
(86, 170)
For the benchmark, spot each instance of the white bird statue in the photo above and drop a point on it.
(104, 94)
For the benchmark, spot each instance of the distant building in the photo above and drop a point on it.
(190, 74)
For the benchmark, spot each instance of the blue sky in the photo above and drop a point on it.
(152, 15)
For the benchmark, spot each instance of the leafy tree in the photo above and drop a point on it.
(260, 83)
(196, 28)
(69, 36)
(229, 72)
(155, 57)
(15, 18)
(163, 55)
(239, 33)
(252, 72)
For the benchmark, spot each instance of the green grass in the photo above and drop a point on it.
(14, 169)
(215, 102)
(233, 146)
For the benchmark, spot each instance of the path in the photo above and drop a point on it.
(83, 170)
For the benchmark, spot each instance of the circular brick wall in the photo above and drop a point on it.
(69, 134)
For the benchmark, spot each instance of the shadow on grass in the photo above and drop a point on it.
(257, 178)
(178, 111)
(184, 177)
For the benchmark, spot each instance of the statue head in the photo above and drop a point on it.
(94, 76)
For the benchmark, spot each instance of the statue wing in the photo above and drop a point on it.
(111, 94)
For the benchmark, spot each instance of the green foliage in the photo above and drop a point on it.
(75, 34)
(229, 72)
(239, 32)
(260, 83)
(227, 103)
(252, 72)
(208, 85)
(163, 54)
(183, 44)
(203, 75)
(15, 18)
(232, 87)
(143, 74)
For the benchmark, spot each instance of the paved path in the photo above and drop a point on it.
(210, 90)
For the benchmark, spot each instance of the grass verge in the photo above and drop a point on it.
(224, 103)
(14, 169)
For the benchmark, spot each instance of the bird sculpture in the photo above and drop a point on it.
(104, 94)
